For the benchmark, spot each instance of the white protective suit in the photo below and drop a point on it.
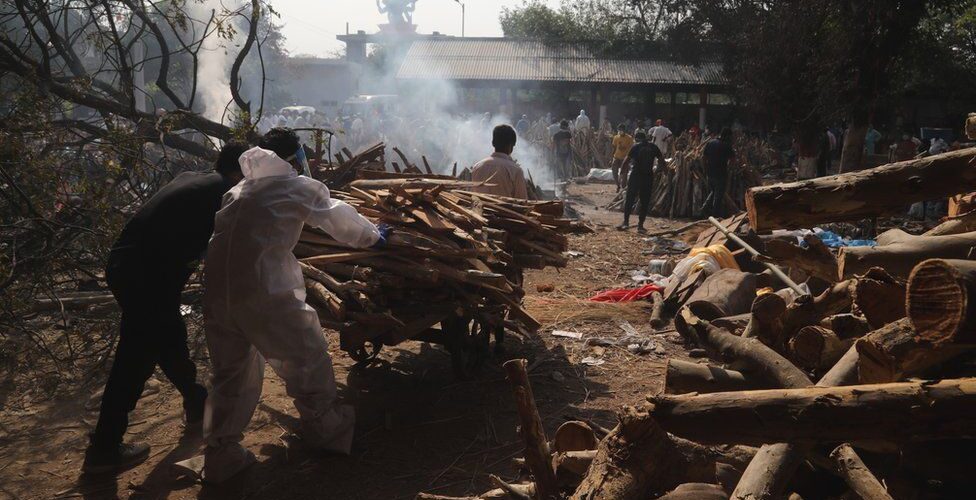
(254, 308)
(582, 121)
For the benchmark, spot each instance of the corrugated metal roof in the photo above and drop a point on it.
(507, 59)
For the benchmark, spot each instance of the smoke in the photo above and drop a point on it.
(215, 60)
(428, 122)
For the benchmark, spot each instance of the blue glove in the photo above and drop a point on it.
(385, 232)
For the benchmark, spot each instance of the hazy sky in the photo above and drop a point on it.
(311, 26)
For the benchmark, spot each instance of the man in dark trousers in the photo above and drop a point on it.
(148, 267)
(641, 181)
(718, 153)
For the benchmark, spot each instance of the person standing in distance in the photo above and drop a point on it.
(641, 182)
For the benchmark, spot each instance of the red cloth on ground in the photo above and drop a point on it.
(626, 294)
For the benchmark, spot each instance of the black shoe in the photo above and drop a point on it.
(194, 405)
(640, 229)
(122, 457)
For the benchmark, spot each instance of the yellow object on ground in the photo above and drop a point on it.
(721, 255)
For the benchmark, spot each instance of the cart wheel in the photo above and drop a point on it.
(468, 342)
(366, 353)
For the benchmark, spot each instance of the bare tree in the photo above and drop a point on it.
(102, 102)
(91, 53)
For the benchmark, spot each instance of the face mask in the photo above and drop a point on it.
(299, 156)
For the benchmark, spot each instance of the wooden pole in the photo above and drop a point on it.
(857, 475)
(537, 454)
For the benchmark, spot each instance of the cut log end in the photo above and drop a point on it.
(937, 300)
(751, 209)
(816, 347)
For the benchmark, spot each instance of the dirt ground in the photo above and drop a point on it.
(418, 428)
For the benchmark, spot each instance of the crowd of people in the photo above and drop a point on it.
(546, 147)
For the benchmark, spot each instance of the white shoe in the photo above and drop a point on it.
(333, 432)
(220, 464)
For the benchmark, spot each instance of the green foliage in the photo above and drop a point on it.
(799, 63)
(617, 28)
(536, 20)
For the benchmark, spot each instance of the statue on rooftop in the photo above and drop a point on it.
(399, 12)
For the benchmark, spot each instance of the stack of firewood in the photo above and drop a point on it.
(592, 148)
(453, 254)
(862, 388)
(349, 165)
(681, 190)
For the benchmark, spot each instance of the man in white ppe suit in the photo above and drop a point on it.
(582, 121)
(255, 308)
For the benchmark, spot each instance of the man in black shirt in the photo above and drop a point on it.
(718, 153)
(148, 267)
(641, 182)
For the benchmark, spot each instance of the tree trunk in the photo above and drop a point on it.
(537, 455)
(913, 411)
(942, 301)
(766, 319)
(807, 311)
(898, 259)
(846, 326)
(725, 293)
(696, 491)
(895, 352)
(857, 475)
(955, 225)
(759, 359)
(879, 298)
(734, 324)
(817, 348)
(859, 195)
(683, 377)
(768, 474)
(815, 259)
(852, 157)
(638, 459)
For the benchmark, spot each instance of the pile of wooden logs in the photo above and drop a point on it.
(861, 390)
(592, 148)
(454, 255)
(863, 387)
(681, 190)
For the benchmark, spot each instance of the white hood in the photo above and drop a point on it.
(257, 163)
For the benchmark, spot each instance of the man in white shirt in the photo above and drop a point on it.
(499, 169)
(660, 136)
